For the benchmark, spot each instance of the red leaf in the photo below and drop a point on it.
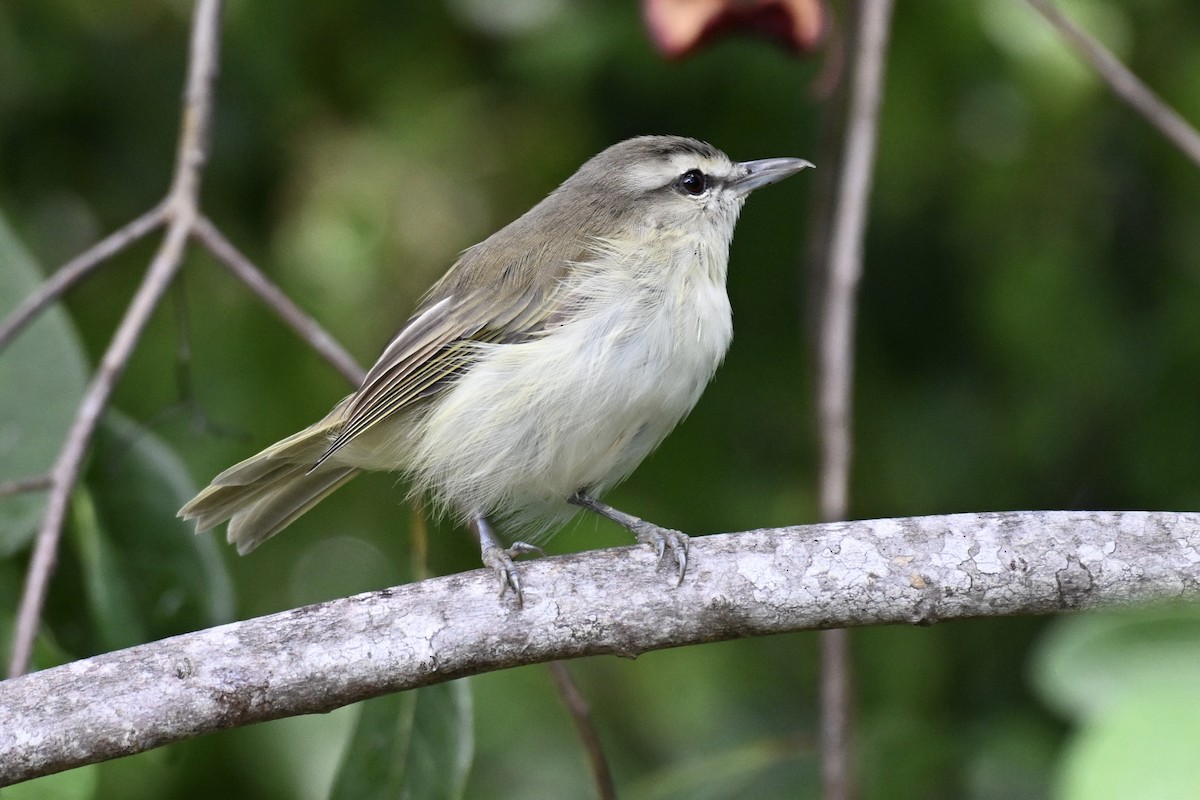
(680, 27)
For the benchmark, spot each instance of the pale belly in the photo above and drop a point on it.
(576, 409)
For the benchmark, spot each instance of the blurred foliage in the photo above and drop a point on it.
(412, 744)
(1028, 338)
(31, 433)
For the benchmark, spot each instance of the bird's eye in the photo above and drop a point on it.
(692, 182)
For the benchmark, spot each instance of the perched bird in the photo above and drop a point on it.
(541, 369)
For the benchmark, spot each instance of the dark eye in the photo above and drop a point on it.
(692, 182)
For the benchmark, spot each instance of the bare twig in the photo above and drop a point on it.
(304, 326)
(196, 128)
(837, 715)
(893, 571)
(76, 270)
(36, 483)
(868, 37)
(835, 354)
(180, 209)
(1124, 83)
(67, 466)
(70, 459)
(581, 715)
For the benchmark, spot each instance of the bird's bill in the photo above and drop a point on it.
(766, 171)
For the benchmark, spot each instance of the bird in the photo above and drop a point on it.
(541, 369)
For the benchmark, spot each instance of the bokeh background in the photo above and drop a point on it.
(1029, 337)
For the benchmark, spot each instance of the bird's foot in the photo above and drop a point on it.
(664, 540)
(500, 561)
(660, 538)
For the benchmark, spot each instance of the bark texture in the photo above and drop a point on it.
(915, 570)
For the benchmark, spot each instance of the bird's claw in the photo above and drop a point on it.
(500, 561)
(662, 540)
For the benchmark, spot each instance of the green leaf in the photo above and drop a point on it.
(115, 610)
(1130, 680)
(415, 744)
(443, 742)
(47, 651)
(1142, 746)
(376, 756)
(1088, 663)
(42, 377)
(137, 557)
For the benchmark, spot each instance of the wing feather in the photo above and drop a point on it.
(439, 343)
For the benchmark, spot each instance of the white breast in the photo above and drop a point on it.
(580, 406)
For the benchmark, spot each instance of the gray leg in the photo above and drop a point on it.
(499, 559)
(661, 539)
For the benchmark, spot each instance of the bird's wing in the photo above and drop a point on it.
(438, 343)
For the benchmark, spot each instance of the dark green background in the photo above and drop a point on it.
(1029, 337)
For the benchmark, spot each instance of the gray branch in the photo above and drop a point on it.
(869, 22)
(74, 271)
(180, 208)
(848, 225)
(894, 571)
(307, 328)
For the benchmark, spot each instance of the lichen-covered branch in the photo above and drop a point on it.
(915, 570)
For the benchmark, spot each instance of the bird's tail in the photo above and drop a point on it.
(265, 493)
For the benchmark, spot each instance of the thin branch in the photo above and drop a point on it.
(36, 483)
(837, 715)
(914, 571)
(67, 466)
(196, 128)
(835, 356)
(74, 271)
(846, 228)
(180, 208)
(307, 328)
(581, 715)
(1123, 82)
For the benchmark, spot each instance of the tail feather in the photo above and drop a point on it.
(288, 498)
(220, 501)
(304, 447)
(267, 492)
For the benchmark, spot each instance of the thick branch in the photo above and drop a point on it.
(909, 571)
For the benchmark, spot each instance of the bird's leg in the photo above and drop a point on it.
(661, 539)
(499, 559)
